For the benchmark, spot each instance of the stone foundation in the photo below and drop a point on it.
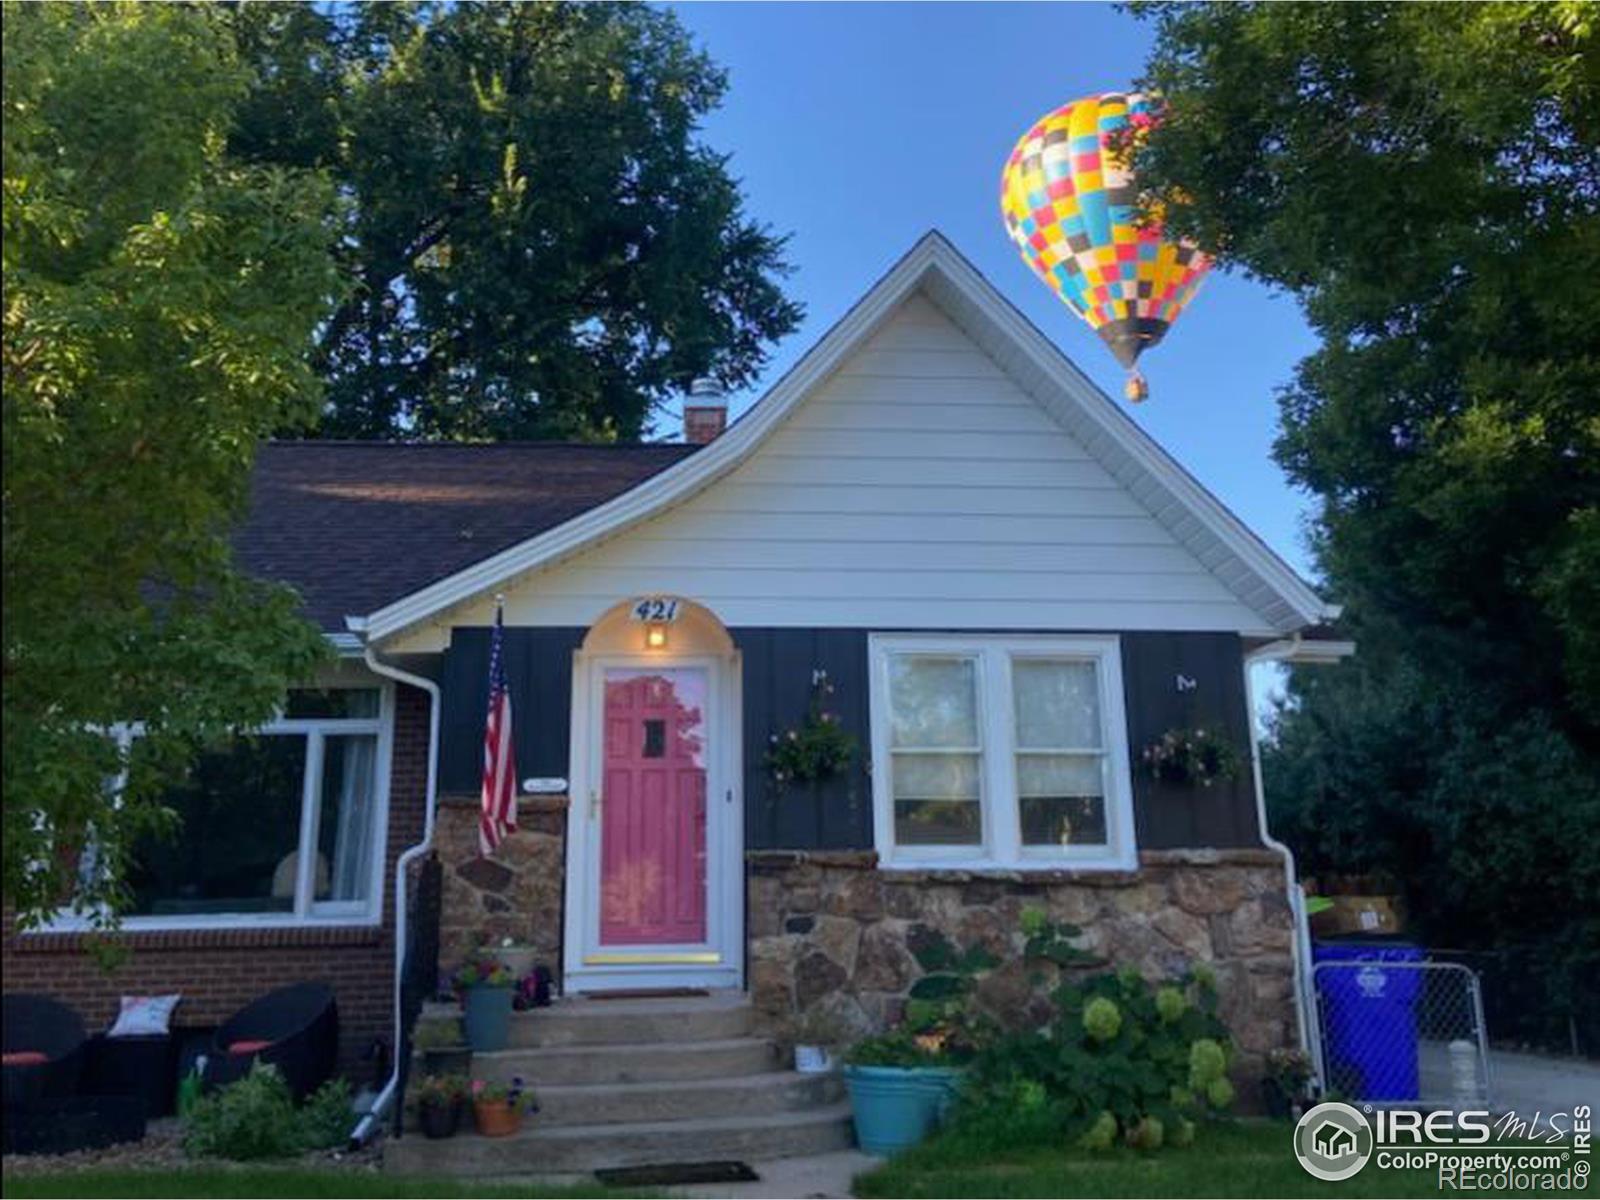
(515, 894)
(828, 931)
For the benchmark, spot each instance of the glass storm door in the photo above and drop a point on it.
(653, 811)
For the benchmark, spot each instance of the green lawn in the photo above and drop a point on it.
(273, 1181)
(1242, 1159)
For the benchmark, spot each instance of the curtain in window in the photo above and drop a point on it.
(346, 838)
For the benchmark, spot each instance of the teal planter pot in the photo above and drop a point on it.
(488, 1017)
(896, 1107)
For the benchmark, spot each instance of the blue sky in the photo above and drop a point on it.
(857, 127)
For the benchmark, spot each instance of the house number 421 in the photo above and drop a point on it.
(656, 608)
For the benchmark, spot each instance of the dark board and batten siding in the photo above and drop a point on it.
(778, 664)
(1167, 817)
(539, 673)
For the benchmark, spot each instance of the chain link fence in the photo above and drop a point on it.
(1402, 1033)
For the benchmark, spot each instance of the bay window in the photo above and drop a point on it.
(1000, 751)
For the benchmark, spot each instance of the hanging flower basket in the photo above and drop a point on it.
(818, 748)
(1198, 757)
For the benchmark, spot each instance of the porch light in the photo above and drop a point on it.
(655, 635)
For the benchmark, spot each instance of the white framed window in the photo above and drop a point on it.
(284, 825)
(1000, 751)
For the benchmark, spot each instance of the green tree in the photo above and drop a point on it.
(160, 301)
(1425, 178)
(543, 246)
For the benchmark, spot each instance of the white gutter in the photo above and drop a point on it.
(369, 1122)
(1300, 947)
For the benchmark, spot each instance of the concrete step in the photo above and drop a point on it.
(683, 1100)
(545, 1149)
(580, 1022)
(629, 1062)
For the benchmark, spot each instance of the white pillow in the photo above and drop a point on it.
(142, 1016)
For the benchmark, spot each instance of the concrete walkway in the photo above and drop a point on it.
(819, 1175)
(1530, 1083)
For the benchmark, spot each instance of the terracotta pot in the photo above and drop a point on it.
(496, 1118)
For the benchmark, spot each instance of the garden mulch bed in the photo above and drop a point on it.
(162, 1149)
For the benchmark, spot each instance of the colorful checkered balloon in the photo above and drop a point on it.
(1070, 205)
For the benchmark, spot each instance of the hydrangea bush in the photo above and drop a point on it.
(1121, 1061)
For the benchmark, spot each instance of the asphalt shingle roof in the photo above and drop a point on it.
(356, 525)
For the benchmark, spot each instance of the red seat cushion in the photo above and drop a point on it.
(241, 1048)
(25, 1058)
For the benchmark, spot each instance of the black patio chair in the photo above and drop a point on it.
(295, 1029)
(44, 1042)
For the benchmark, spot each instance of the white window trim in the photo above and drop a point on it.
(307, 913)
(1001, 822)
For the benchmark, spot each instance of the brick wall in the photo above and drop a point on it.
(219, 971)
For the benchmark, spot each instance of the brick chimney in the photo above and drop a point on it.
(705, 412)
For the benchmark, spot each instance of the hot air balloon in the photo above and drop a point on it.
(1070, 205)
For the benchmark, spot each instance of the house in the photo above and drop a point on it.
(1333, 1141)
(1009, 588)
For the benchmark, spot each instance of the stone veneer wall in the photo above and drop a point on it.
(515, 894)
(828, 931)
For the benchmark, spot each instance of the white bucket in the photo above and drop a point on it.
(812, 1060)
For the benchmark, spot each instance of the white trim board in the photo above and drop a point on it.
(1244, 564)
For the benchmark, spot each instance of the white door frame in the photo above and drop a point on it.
(719, 962)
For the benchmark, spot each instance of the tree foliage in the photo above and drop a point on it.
(1425, 178)
(1486, 821)
(160, 298)
(542, 245)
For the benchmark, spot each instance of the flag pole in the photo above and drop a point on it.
(497, 814)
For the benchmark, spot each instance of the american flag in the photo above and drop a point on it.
(499, 808)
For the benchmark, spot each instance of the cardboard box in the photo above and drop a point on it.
(1368, 916)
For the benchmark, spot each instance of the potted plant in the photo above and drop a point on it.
(485, 987)
(815, 1037)
(439, 1100)
(497, 1108)
(443, 1049)
(901, 1082)
(900, 1085)
(815, 750)
(1288, 1073)
(1198, 757)
(516, 957)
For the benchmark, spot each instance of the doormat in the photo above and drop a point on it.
(674, 1174)
(645, 994)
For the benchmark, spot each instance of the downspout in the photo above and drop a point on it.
(1309, 1045)
(370, 1120)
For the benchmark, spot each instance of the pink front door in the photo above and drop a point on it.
(653, 807)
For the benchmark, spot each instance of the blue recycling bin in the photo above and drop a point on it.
(1369, 1017)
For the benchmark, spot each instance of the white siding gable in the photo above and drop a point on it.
(917, 487)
